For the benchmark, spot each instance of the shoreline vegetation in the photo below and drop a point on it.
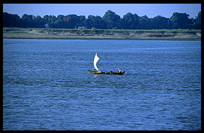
(101, 34)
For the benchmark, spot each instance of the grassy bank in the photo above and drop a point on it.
(44, 33)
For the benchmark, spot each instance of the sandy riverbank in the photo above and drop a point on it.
(42, 33)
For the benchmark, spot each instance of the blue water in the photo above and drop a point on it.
(47, 86)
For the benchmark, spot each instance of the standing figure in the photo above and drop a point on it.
(119, 71)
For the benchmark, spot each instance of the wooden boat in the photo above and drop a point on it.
(96, 72)
(96, 58)
(111, 73)
(117, 73)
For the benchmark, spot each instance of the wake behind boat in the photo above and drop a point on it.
(96, 59)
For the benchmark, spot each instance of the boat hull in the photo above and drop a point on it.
(110, 73)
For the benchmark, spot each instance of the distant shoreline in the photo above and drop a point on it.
(91, 38)
(100, 34)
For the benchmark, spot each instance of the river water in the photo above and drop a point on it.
(47, 86)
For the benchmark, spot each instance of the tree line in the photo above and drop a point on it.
(110, 20)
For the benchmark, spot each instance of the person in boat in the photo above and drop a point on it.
(119, 71)
(99, 71)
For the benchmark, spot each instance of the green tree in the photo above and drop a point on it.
(49, 20)
(160, 22)
(73, 21)
(130, 21)
(81, 20)
(180, 21)
(10, 20)
(39, 22)
(198, 21)
(95, 21)
(59, 22)
(144, 22)
(28, 21)
(112, 20)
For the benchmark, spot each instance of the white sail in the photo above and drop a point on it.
(96, 58)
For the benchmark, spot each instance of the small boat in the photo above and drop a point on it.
(96, 72)
(96, 58)
(111, 73)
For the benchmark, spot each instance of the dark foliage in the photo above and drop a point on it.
(110, 20)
